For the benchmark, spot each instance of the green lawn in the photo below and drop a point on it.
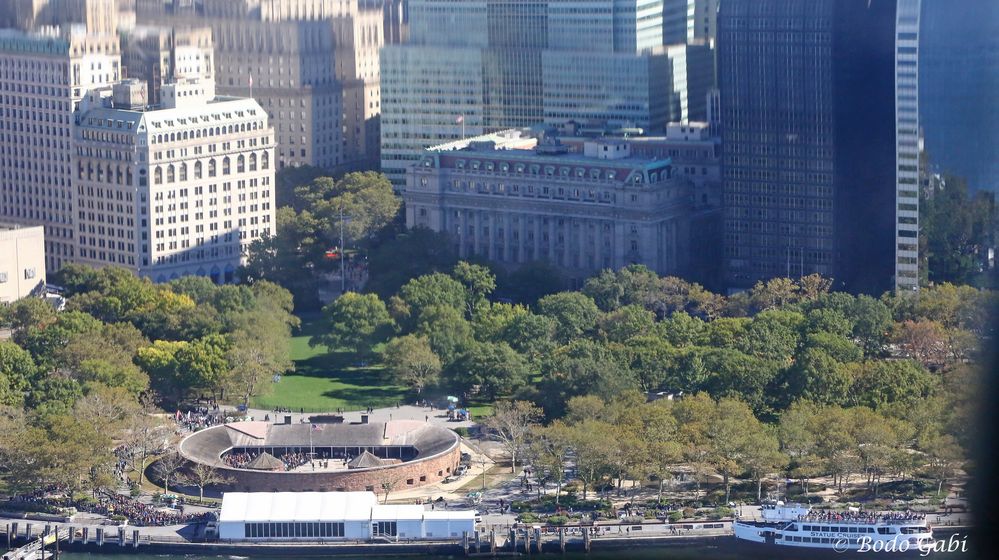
(324, 381)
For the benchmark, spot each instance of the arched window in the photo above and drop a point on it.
(171, 177)
(265, 161)
(225, 165)
(183, 172)
(197, 170)
(240, 164)
(211, 167)
(157, 175)
(253, 162)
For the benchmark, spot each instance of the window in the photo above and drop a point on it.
(29, 273)
(384, 528)
(211, 167)
(197, 170)
(3, 277)
(265, 161)
(225, 165)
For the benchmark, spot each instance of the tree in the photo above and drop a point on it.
(872, 320)
(573, 312)
(447, 330)
(773, 293)
(878, 383)
(773, 335)
(925, 341)
(730, 434)
(626, 322)
(16, 370)
(734, 374)
(145, 437)
(355, 322)
(109, 409)
(683, 330)
(818, 377)
(798, 440)
(412, 362)
(944, 456)
(167, 467)
(409, 255)
(202, 475)
(254, 357)
(433, 290)
(550, 448)
(511, 424)
(479, 282)
(955, 228)
(593, 442)
(763, 456)
(492, 369)
(661, 438)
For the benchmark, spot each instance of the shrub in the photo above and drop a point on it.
(675, 517)
(527, 517)
(520, 506)
(720, 512)
(558, 520)
(461, 431)
(689, 512)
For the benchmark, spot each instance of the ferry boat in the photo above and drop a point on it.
(796, 526)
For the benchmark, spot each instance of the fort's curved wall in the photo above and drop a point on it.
(436, 460)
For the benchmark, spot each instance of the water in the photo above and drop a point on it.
(728, 551)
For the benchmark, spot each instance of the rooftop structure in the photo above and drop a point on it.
(315, 516)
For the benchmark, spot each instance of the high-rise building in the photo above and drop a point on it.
(177, 189)
(479, 66)
(816, 178)
(692, 73)
(99, 16)
(43, 76)
(675, 22)
(161, 55)
(959, 89)
(702, 21)
(312, 64)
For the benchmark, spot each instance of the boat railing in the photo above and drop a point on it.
(866, 521)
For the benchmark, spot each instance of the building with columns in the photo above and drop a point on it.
(177, 189)
(43, 77)
(513, 198)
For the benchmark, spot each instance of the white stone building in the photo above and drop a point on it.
(177, 189)
(43, 76)
(503, 198)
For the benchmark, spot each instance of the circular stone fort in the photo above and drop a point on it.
(308, 457)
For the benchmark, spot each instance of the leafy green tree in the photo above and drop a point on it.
(593, 443)
(411, 362)
(478, 281)
(582, 367)
(575, 314)
(446, 329)
(355, 322)
(27, 313)
(736, 375)
(44, 343)
(409, 255)
(254, 357)
(872, 321)
(662, 442)
(730, 434)
(16, 371)
(652, 360)
(797, 434)
(726, 332)
(818, 377)
(492, 369)
(944, 457)
(774, 293)
(530, 334)
(879, 383)
(762, 456)
(683, 330)
(773, 335)
(433, 290)
(493, 321)
(626, 322)
(955, 226)
(839, 348)
(550, 449)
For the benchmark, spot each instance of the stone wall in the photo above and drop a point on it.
(412, 474)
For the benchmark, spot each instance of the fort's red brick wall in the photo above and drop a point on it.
(412, 474)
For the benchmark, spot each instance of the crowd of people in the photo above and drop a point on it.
(136, 512)
(240, 460)
(868, 517)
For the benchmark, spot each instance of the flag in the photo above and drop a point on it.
(460, 119)
(317, 428)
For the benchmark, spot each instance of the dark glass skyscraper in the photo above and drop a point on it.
(810, 162)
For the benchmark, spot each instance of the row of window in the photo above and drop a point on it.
(293, 530)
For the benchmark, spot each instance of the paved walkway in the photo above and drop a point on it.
(404, 412)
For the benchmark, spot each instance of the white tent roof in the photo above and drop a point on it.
(396, 512)
(296, 506)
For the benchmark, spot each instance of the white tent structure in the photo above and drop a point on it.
(323, 516)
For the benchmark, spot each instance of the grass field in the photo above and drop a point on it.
(324, 381)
